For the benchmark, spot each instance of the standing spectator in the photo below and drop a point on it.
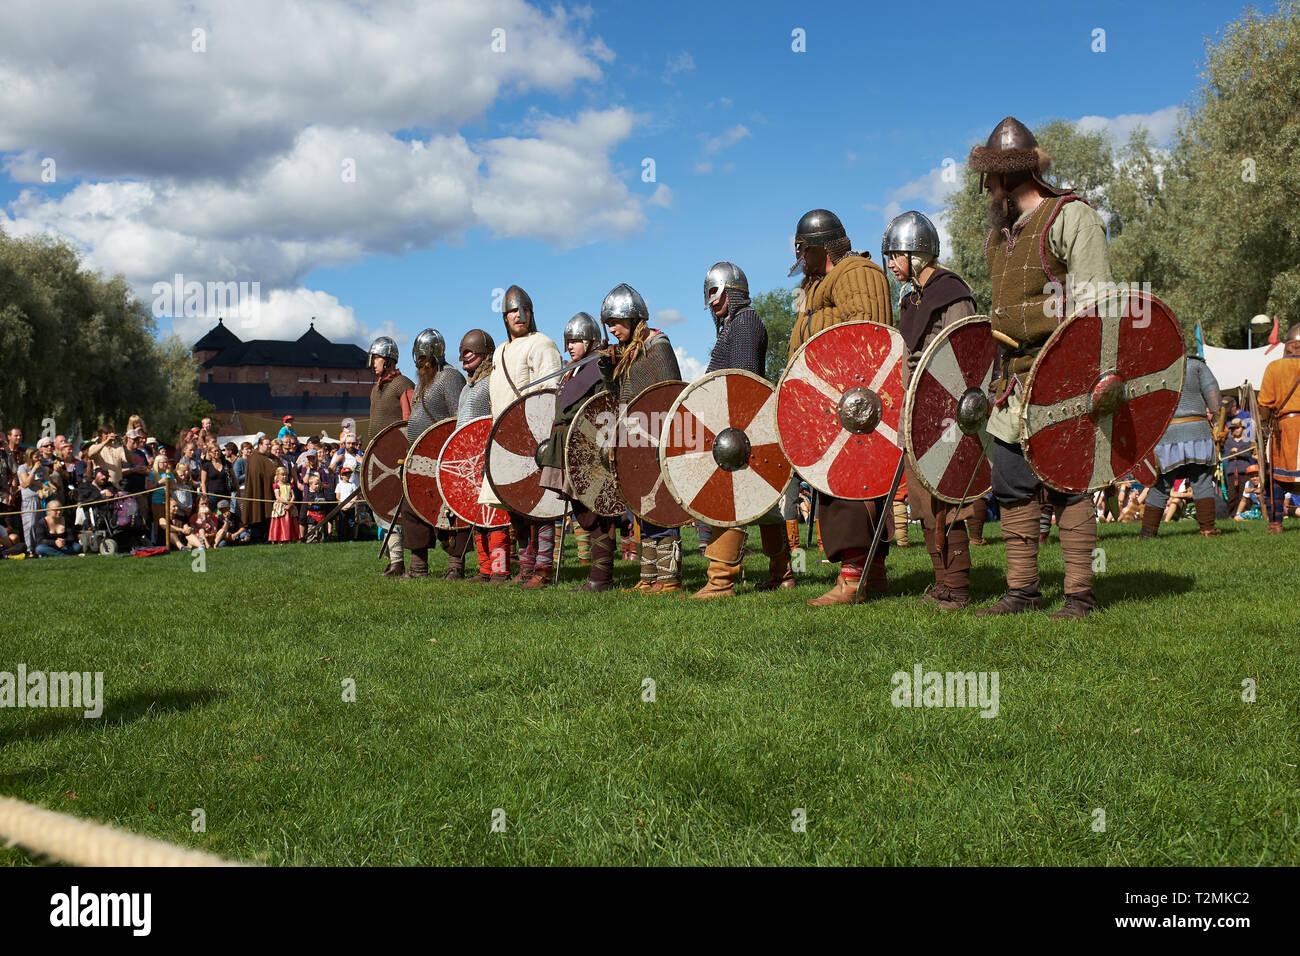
(287, 428)
(217, 479)
(135, 473)
(110, 454)
(159, 474)
(347, 518)
(189, 454)
(1237, 413)
(241, 464)
(9, 492)
(1237, 458)
(34, 480)
(52, 537)
(315, 504)
(183, 490)
(348, 454)
(284, 523)
(258, 489)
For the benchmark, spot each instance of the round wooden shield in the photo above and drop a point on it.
(460, 475)
(512, 468)
(1147, 471)
(589, 455)
(839, 407)
(1102, 392)
(381, 471)
(719, 451)
(636, 457)
(420, 476)
(947, 408)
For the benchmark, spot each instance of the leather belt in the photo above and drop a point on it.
(1183, 420)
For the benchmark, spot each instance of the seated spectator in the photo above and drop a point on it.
(11, 544)
(53, 537)
(229, 530)
(1291, 507)
(1179, 498)
(205, 527)
(1237, 457)
(1248, 506)
(284, 522)
(177, 525)
(347, 517)
(1135, 502)
(96, 489)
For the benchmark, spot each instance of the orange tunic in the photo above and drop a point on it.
(1279, 377)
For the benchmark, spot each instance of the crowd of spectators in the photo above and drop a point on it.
(191, 492)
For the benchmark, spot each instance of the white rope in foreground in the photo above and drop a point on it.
(83, 843)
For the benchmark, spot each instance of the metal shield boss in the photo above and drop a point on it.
(839, 407)
(381, 472)
(946, 412)
(460, 475)
(420, 476)
(1102, 391)
(589, 455)
(719, 451)
(513, 470)
(636, 457)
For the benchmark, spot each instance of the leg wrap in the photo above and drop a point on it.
(1020, 531)
(1078, 524)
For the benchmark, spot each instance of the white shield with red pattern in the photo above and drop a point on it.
(460, 474)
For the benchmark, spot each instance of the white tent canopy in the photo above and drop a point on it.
(1234, 367)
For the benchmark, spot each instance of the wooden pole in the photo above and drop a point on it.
(167, 511)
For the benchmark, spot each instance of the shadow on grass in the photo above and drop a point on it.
(1112, 586)
(117, 713)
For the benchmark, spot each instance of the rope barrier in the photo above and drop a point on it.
(148, 491)
(85, 843)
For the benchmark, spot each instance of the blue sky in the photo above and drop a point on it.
(477, 168)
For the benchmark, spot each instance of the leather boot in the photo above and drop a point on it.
(649, 569)
(1151, 516)
(776, 547)
(456, 550)
(1078, 527)
(952, 592)
(1077, 605)
(395, 569)
(845, 591)
(1205, 517)
(934, 548)
(1020, 532)
(419, 565)
(455, 568)
(668, 566)
(539, 579)
(601, 576)
(975, 523)
(792, 534)
(1274, 527)
(723, 553)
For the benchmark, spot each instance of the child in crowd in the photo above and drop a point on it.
(284, 523)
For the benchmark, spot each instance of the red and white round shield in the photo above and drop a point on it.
(636, 457)
(719, 451)
(589, 455)
(460, 475)
(947, 409)
(1102, 391)
(839, 407)
(420, 476)
(381, 472)
(513, 470)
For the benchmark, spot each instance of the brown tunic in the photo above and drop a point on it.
(386, 404)
(258, 483)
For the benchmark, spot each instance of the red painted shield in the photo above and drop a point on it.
(1147, 471)
(636, 457)
(719, 453)
(512, 468)
(381, 472)
(420, 476)
(589, 455)
(839, 407)
(460, 474)
(945, 449)
(1101, 392)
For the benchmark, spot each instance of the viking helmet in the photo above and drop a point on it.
(517, 298)
(913, 234)
(478, 342)
(429, 344)
(583, 328)
(721, 276)
(624, 302)
(1014, 153)
(385, 348)
(817, 227)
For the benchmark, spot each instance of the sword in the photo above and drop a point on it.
(880, 526)
(559, 551)
(812, 519)
(571, 367)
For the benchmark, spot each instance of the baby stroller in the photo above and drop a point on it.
(115, 526)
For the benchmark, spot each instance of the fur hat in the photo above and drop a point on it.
(1011, 149)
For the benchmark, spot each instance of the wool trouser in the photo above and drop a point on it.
(1199, 476)
(1021, 497)
(1233, 483)
(848, 526)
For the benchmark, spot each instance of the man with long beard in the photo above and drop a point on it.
(842, 286)
(390, 401)
(436, 396)
(741, 344)
(525, 356)
(1043, 241)
(934, 299)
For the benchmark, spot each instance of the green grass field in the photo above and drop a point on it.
(224, 692)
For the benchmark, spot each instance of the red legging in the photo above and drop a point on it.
(493, 550)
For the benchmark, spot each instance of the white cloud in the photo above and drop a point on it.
(703, 168)
(928, 192)
(691, 368)
(668, 317)
(682, 62)
(285, 315)
(1161, 124)
(729, 138)
(662, 197)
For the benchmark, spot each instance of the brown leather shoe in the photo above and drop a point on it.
(1210, 532)
(396, 569)
(499, 579)
(1015, 601)
(1274, 527)
(1076, 605)
(538, 579)
(776, 584)
(643, 586)
(412, 575)
(712, 590)
(590, 586)
(480, 578)
(946, 598)
(666, 587)
(844, 592)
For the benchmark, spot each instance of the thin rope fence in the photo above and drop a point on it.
(58, 836)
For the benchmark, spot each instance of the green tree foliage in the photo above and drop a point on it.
(77, 347)
(776, 309)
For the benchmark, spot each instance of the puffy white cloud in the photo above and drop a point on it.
(691, 368)
(1161, 124)
(668, 317)
(285, 314)
(662, 197)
